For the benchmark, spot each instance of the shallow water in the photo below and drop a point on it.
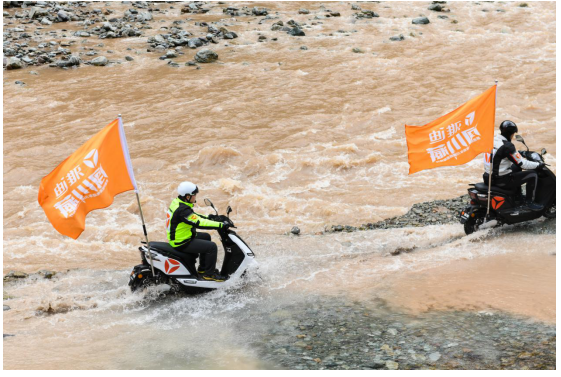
(286, 137)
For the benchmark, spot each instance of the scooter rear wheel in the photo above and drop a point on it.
(472, 225)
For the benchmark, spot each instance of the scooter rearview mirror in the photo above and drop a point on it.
(543, 151)
(228, 210)
(209, 203)
(521, 139)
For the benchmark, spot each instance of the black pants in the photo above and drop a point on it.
(206, 249)
(514, 180)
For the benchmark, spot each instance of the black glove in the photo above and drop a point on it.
(212, 217)
(540, 166)
(225, 226)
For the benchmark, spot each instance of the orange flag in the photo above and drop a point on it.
(455, 138)
(87, 180)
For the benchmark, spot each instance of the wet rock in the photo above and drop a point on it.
(523, 5)
(14, 63)
(100, 61)
(191, 63)
(295, 230)
(70, 62)
(8, 335)
(355, 7)
(47, 274)
(399, 37)
(129, 58)
(303, 47)
(171, 54)
(277, 26)
(206, 56)
(15, 275)
(6, 308)
(195, 43)
(259, 11)
(436, 7)
(358, 50)
(261, 38)
(303, 11)
(420, 21)
(20, 83)
(296, 31)
(35, 73)
(46, 21)
(62, 16)
(366, 14)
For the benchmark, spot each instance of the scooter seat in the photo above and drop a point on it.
(163, 246)
(482, 187)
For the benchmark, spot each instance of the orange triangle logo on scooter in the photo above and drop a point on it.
(498, 202)
(171, 265)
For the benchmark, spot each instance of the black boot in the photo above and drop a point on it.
(533, 206)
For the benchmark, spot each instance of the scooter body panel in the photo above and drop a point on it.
(236, 261)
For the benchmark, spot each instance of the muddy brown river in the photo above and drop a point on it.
(287, 136)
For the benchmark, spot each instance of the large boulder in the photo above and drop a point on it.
(259, 11)
(296, 31)
(206, 56)
(100, 61)
(195, 42)
(70, 62)
(62, 16)
(421, 21)
(14, 63)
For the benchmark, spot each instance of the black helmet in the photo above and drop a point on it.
(508, 128)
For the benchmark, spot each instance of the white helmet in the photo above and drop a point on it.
(187, 188)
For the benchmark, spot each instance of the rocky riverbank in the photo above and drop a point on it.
(334, 334)
(58, 33)
(434, 212)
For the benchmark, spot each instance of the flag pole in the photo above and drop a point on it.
(491, 159)
(145, 232)
(131, 175)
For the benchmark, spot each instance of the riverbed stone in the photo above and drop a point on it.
(100, 61)
(421, 21)
(14, 63)
(206, 56)
(295, 230)
(15, 275)
(296, 31)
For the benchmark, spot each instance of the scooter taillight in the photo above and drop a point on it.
(473, 195)
(472, 202)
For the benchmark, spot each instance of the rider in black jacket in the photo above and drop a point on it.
(503, 158)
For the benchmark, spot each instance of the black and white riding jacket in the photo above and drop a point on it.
(504, 155)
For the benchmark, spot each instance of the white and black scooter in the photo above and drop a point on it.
(169, 268)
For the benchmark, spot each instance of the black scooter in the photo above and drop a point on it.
(506, 206)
